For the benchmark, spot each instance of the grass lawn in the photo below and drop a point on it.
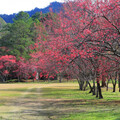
(80, 105)
(56, 101)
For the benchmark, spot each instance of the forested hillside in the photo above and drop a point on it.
(56, 7)
(19, 35)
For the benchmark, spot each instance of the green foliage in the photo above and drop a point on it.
(40, 17)
(19, 36)
(2, 23)
(22, 16)
(43, 17)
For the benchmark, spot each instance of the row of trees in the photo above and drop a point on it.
(82, 41)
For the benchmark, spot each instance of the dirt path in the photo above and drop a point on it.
(26, 107)
(31, 106)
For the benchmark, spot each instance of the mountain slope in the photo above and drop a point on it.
(56, 7)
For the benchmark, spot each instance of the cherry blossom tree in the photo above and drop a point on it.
(25, 69)
(7, 63)
(80, 40)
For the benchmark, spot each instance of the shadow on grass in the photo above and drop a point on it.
(47, 109)
(53, 109)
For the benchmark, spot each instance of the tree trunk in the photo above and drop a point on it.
(114, 83)
(48, 79)
(107, 87)
(3, 80)
(99, 92)
(37, 76)
(91, 89)
(114, 86)
(19, 79)
(60, 78)
(103, 82)
(107, 84)
(81, 84)
(119, 82)
(85, 85)
(93, 86)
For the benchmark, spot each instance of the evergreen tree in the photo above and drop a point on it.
(19, 36)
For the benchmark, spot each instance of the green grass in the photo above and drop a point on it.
(86, 106)
(60, 101)
(66, 93)
(11, 92)
(77, 94)
(104, 115)
(39, 82)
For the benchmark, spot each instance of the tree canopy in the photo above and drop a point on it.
(19, 36)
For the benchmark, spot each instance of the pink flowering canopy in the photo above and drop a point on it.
(84, 30)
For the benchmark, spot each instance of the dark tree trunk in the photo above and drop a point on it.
(2, 79)
(85, 85)
(114, 82)
(119, 82)
(114, 86)
(91, 89)
(81, 84)
(107, 88)
(93, 86)
(99, 92)
(107, 84)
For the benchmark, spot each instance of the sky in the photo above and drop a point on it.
(15, 6)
